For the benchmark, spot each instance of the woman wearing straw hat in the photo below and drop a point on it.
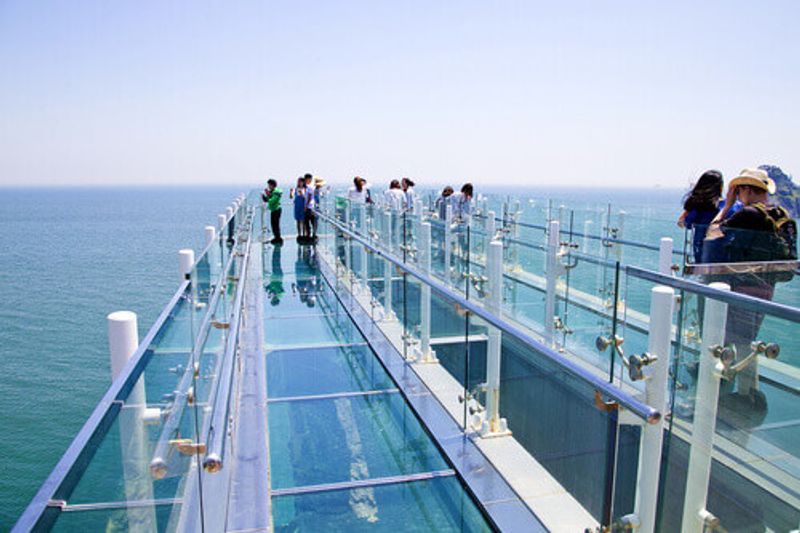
(760, 231)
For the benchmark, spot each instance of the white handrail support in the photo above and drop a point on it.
(705, 413)
(662, 302)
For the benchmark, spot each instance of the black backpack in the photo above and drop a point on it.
(777, 242)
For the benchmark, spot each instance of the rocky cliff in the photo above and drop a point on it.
(788, 193)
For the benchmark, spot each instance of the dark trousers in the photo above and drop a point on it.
(275, 222)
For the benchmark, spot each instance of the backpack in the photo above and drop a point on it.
(776, 242)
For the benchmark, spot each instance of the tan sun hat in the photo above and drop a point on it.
(754, 178)
(319, 182)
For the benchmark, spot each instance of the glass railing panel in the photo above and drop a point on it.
(116, 485)
(555, 417)
(585, 305)
(159, 518)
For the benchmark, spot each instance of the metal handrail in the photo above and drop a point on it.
(158, 464)
(215, 441)
(737, 299)
(624, 399)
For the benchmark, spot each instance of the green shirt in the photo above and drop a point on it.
(274, 201)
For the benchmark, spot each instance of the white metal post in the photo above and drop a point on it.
(348, 247)
(491, 230)
(185, 262)
(364, 257)
(123, 340)
(662, 301)
(551, 274)
(448, 222)
(427, 355)
(388, 314)
(228, 212)
(705, 413)
(494, 426)
(210, 234)
(221, 220)
(417, 226)
(665, 255)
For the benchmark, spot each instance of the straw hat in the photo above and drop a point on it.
(319, 182)
(754, 178)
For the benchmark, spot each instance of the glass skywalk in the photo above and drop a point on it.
(412, 373)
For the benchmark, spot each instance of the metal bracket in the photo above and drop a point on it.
(605, 406)
(188, 446)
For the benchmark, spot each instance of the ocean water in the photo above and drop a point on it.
(68, 257)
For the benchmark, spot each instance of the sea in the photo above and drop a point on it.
(70, 256)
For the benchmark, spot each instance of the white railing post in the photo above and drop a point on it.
(221, 221)
(123, 340)
(417, 213)
(210, 233)
(494, 426)
(662, 301)
(388, 313)
(427, 355)
(491, 231)
(185, 262)
(705, 413)
(364, 257)
(665, 255)
(448, 223)
(551, 273)
(346, 240)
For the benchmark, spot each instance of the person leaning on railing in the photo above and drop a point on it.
(760, 231)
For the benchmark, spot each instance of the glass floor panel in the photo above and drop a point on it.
(310, 331)
(324, 371)
(288, 302)
(438, 504)
(349, 438)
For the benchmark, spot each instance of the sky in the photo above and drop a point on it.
(585, 93)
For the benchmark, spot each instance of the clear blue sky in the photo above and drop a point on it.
(569, 93)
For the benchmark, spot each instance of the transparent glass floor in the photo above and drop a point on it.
(346, 451)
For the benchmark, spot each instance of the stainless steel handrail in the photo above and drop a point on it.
(624, 399)
(215, 441)
(158, 464)
(737, 299)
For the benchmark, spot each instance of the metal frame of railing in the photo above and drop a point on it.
(44, 507)
(218, 420)
(158, 464)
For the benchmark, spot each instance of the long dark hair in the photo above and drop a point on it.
(705, 193)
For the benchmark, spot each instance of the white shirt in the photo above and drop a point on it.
(410, 198)
(462, 206)
(395, 198)
(354, 195)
